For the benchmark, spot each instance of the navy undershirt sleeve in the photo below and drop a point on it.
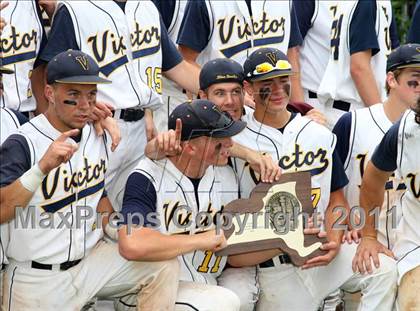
(362, 28)
(166, 9)
(139, 199)
(170, 54)
(61, 37)
(385, 155)
(195, 27)
(338, 178)
(295, 36)
(414, 32)
(393, 33)
(20, 116)
(14, 159)
(342, 130)
(304, 11)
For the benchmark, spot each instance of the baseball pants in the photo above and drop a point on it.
(193, 296)
(286, 287)
(244, 283)
(103, 273)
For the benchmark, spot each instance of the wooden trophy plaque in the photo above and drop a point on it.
(273, 217)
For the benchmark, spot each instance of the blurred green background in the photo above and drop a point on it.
(403, 10)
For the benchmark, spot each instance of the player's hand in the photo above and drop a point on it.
(60, 151)
(351, 236)
(169, 142)
(332, 249)
(101, 111)
(111, 125)
(317, 116)
(368, 251)
(3, 23)
(211, 240)
(263, 164)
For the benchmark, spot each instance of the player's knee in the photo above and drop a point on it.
(169, 269)
(388, 268)
(228, 301)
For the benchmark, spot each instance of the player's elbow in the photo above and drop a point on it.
(128, 246)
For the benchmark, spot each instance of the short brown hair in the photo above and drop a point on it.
(397, 73)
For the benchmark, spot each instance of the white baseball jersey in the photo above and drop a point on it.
(145, 40)
(20, 44)
(8, 125)
(337, 82)
(67, 191)
(294, 151)
(173, 190)
(315, 50)
(103, 31)
(407, 246)
(374, 121)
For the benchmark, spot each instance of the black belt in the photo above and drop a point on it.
(2, 267)
(337, 104)
(131, 114)
(63, 266)
(284, 259)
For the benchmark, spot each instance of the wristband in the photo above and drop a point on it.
(32, 178)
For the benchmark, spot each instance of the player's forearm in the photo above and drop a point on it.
(186, 75)
(252, 259)
(363, 78)
(372, 196)
(11, 197)
(296, 86)
(38, 81)
(239, 151)
(147, 244)
(337, 210)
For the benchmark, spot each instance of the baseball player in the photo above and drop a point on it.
(233, 28)
(135, 56)
(300, 144)
(172, 193)
(22, 39)
(54, 169)
(356, 148)
(10, 120)
(360, 42)
(413, 35)
(398, 151)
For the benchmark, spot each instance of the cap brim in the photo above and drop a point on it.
(84, 80)
(235, 128)
(272, 74)
(415, 65)
(6, 70)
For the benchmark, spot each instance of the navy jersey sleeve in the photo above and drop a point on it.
(139, 199)
(304, 11)
(393, 33)
(338, 178)
(14, 159)
(362, 28)
(195, 27)
(342, 130)
(385, 155)
(414, 32)
(20, 116)
(295, 36)
(170, 55)
(61, 37)
(166, 9)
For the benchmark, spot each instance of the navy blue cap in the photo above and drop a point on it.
(220, 70)
(74, 67)
(405, 56)
(266, 63)
(202, 117)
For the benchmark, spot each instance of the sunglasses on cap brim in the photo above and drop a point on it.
(267, 67)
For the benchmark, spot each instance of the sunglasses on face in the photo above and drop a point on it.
(267, 67)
